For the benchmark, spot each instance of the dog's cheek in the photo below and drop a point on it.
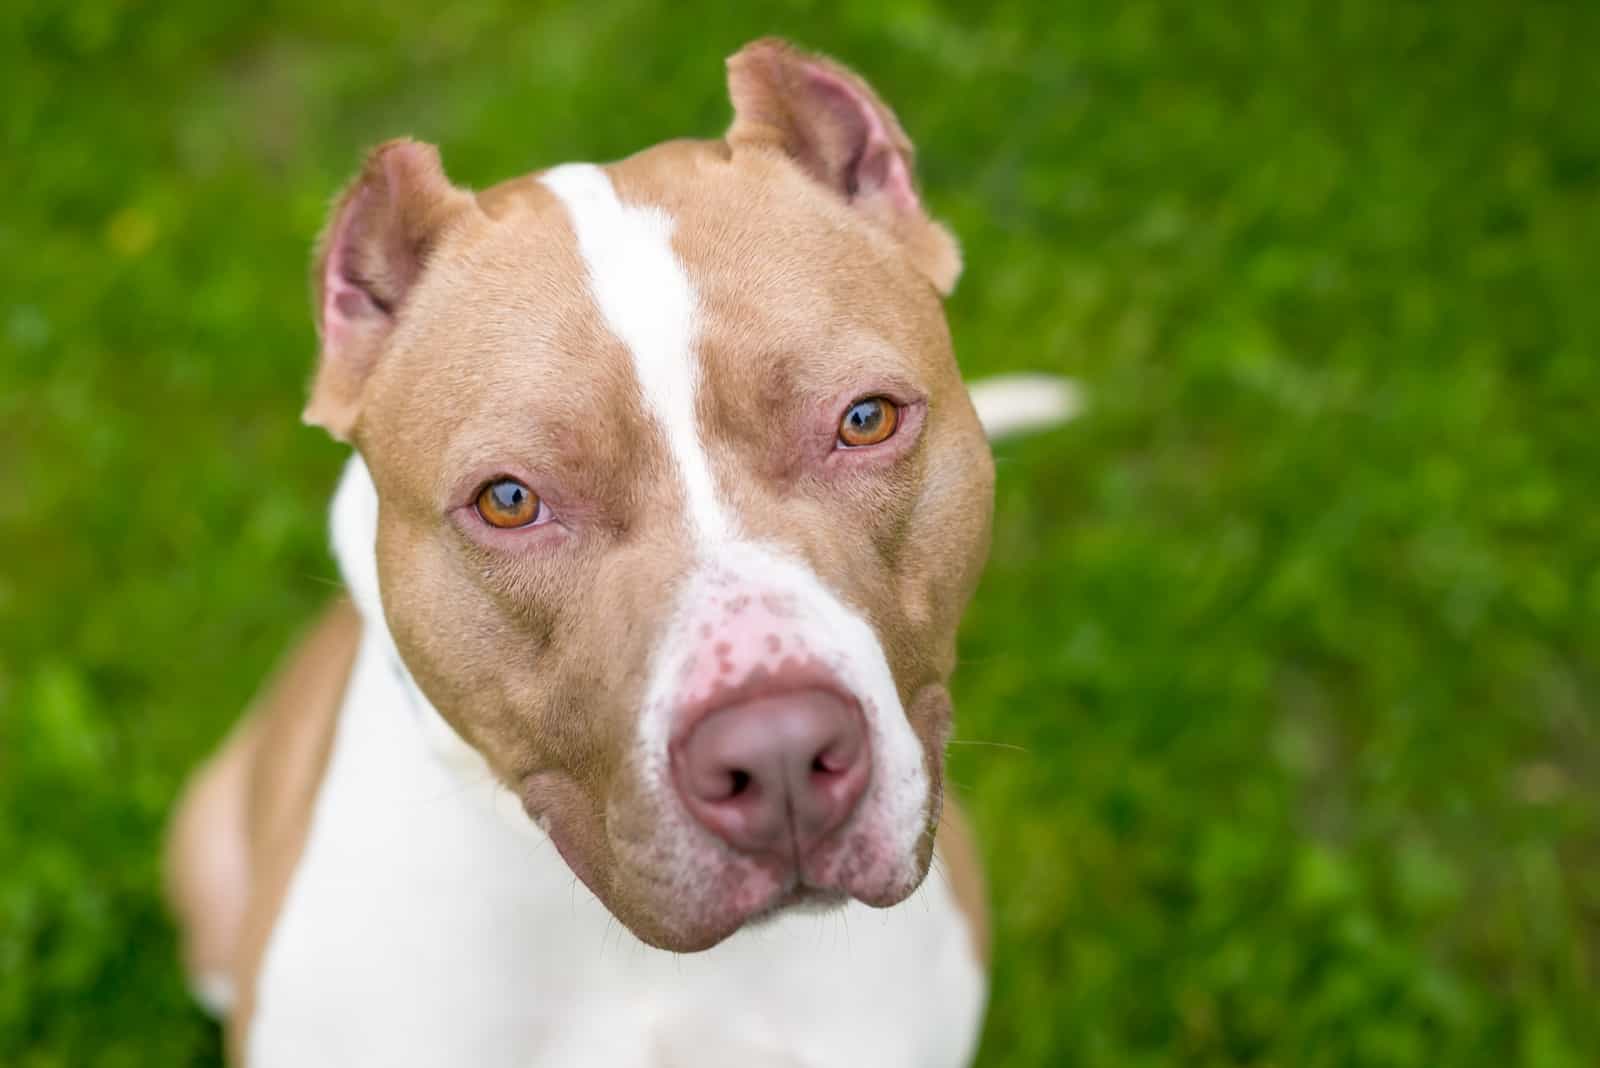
(562, 808)
(949, 542)
(467, 657)
(931, 717)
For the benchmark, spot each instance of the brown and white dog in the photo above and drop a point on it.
(668, 497)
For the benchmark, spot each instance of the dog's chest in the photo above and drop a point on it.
(427, 925)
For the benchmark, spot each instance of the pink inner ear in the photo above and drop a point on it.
(875, 162)
(345, 302)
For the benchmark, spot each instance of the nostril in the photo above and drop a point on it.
(841, 752)
(774, 773)
(832, 761)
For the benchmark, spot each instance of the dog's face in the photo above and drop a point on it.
(681, 495)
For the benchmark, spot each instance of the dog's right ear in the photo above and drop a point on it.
(829, 122)
(377, 243)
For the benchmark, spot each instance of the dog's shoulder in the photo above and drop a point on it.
(296, 715)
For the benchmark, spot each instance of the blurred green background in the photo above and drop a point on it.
(1291, 644)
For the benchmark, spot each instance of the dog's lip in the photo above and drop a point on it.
(807, 897)
(801, 888)
(801, 897)
(793, 895)
(545, 793)
(698, 929)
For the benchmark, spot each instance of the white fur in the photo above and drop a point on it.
(645, 298)
(1016, 404)
(423, 927)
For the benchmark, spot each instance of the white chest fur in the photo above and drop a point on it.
(430, 923)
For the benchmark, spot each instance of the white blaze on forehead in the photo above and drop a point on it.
(644, 294)
(647, 301)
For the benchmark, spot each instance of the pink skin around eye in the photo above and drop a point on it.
(545, 529)
(886, 411)
(541, 510)
(812, 446)
(464, 513)
(909, 415)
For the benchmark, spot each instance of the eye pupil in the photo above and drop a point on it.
(507, 495)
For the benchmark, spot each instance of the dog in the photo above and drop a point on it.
(626, 746)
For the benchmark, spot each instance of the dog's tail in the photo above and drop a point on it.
(1015, 404)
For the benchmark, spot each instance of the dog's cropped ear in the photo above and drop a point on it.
(829, 121)
(376, 245)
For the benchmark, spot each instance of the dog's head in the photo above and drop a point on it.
(680, 493)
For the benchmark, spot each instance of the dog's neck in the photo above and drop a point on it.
(353, 523)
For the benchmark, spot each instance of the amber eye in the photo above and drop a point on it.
(507, 503)
(868, 421)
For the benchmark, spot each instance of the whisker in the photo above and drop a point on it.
(453, 790)
(991, 745)
(605, 938)
(944, 875)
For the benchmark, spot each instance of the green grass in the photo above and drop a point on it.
(1297, 632)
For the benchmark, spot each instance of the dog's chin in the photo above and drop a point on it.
(710, 928)
(751, 903)
(802, 899)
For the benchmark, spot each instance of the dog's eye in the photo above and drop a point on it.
(507, 503)
(868, 422)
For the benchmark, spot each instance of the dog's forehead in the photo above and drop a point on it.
(597, 306)
(777, 261)
(502, 358)
(775, 265)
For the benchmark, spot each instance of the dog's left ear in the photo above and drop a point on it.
(827, 120)
(380, 237)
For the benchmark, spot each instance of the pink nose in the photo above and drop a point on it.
(774, 774)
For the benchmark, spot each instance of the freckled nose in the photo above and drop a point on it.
(776, 773)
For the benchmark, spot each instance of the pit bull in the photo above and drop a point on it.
(625, 747)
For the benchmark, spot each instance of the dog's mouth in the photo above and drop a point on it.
(687, 893)
(860, 865)
(800, 898)
(742, 898)
(698, 843)
(812, 898)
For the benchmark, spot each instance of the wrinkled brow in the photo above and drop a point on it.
(590, 447)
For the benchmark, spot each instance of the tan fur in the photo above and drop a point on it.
(505, 646)
(207, 855)
(782, 101)
(749, 226)
(390, 218)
